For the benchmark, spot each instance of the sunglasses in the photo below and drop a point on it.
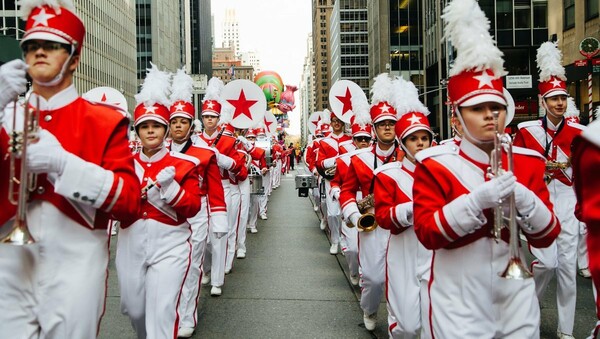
(362, 139)
(47, 46)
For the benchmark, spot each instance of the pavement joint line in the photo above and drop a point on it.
(285, 299)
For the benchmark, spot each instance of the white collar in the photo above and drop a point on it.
(408, 165)
(156, 157)
(210, 137)
(474, 152)
(383, 153)
(551, 126)
(57, 101)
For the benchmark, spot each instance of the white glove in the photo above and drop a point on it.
(247, 144)
(335, 193)
(354, 218)
(12, 78)
(220, 235)
(490, 193)
(404, 214)
(524, 199)
(166, 176)
(47, 154)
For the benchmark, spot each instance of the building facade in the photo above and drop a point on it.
(349, 43)
(196, 43)
(321, 13)
(158, 35)
(231, 32)
(108, 57)
(305, 91)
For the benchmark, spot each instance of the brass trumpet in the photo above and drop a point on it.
(366, 206)
(515, 269)
(19, 234)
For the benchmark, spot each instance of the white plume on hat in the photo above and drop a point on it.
(197, 124)
(156, 87)
(548, 60)
(381, 89)
(28, 5)
(226, 114)
(182, 86)
(406, 98)
(213, 89)
(360, 110)
(326, 116)
(572, 110)
(597, 113)
(467, 27)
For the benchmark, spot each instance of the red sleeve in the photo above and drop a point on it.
(187, 200)
(214, 187)
(519, 140)
(385, 195)
(340, 173)
(350, 187)
(123, 200)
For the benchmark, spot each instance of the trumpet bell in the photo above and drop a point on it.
(366, 222)
(19, 235)
(516, 270)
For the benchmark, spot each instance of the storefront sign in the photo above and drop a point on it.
(518, 81)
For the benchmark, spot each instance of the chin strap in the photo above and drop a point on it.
(58, 78)
(466, 130)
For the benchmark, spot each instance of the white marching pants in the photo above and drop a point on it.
(233, 218)
(334, 215)
(582, 251)
(371, 255)
(190, 294)
(469, 299)
(56, 287)
(264, 199)
(407, 270)
(243, 218)
(277, 174)
(152, 261)
(560, 257)
(349, 246)
(214, 259)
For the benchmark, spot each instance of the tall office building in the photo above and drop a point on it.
(321, 13)
(252, 58)
(196, 36)
(306, 91)
(158, 35)
(349, 42)
(108, 55)
(231, 31)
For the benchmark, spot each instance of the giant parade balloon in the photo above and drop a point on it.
(272, 86)
(286, 103)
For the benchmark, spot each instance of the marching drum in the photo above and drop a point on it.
(265, 144)
(256, 182)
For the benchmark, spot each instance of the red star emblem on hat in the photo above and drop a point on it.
(555, 82)
(484, 79)
(42, 18)
(346, 101)
(242, 105)
(150, 109)
(179, 107)
(210, 104)
(414, 119)
(384, 108)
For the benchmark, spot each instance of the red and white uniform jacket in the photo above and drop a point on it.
(178, 202)
(277, 152)
(258, 158)
(360, 177)
(236, 178)
(553, 142)
(343, 164)
(228, 158)
(209, 176)
(446, 174)
(310, 155)
(393, 195)
(99, 181)
(329, 149)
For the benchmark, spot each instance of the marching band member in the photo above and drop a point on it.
(153, 248)
(552, 137)
(228, 160)
(586, 161)
(264, 199)
(212, 197)
(328, 152)
(277, 154)
(371, 243)
(259, 166)
(407, 261)
(323, 130)
(454, 197)
(310, 155)
(56, 287)
(361, 139)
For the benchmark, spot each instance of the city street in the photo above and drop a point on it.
(289, 286)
